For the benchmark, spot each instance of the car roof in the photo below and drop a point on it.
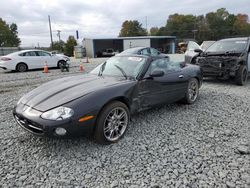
(23, 51)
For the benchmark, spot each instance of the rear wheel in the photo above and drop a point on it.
(21, 67)
(112, 123)
(192, 91)
(241, 75)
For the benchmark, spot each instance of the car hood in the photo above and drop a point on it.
(64, 90)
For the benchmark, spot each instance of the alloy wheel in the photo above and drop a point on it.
(115, 124)
(193, 90)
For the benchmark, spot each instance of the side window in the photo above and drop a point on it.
(154, 52)
(40, 53)
(158, 64)
(46, 54)
(164, 65)
(144, 51)
(32, 53)
(173, 66)
(25, 54)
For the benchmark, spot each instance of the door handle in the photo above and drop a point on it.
(181, 76)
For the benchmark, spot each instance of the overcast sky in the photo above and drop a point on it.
(99, 18)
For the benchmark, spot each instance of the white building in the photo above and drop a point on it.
(95, 47)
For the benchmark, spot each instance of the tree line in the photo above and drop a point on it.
(212, 26)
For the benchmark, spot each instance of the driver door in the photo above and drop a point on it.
(168, 88)
(46, 57)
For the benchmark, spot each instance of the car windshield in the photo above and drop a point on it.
(228, 46)
(128, 67)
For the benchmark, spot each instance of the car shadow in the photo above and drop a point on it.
(32, 70)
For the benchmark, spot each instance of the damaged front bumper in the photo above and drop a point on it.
(218, 66)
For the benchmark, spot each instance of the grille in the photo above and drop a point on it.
(29, 126)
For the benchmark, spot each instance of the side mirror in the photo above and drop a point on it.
(183, 64)
(157, 73)
(198, 50)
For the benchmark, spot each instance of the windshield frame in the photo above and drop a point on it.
(100, 68)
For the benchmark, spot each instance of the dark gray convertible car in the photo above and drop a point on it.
(101, 102)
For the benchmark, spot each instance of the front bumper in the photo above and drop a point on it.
(218, 67)
(4, 68)
(30, 120)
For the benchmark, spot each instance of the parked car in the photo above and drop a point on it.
(109, 52)
(102, 101)
(190, 54)
(30, 59)
(144, 51)
(226, 58)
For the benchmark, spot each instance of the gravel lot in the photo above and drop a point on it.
(201, 145)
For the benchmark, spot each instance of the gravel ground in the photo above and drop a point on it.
(201, 145)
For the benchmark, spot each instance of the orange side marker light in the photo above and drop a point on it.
(85, 118)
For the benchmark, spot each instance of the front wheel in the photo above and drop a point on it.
(192, 91)
(60, 64)
(112, 123)
(241, 75)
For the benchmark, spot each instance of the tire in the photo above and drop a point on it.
(109, 126)
(60, 63)
(21, 67)
(241, 75)
(192, 91)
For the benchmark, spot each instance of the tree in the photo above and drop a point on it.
(132, 28)
(220, 23)
(181, 25)
(8, 35)
(58, 46)
(154, 31)
(69, 46)
(241, 25)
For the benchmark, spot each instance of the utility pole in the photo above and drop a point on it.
(51, 40)
(58, 34)
(147, 23)
(194, 31)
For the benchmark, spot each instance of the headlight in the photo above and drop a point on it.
(57, 114)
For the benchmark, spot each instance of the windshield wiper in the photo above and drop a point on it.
(102, 68)
(122, 71)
